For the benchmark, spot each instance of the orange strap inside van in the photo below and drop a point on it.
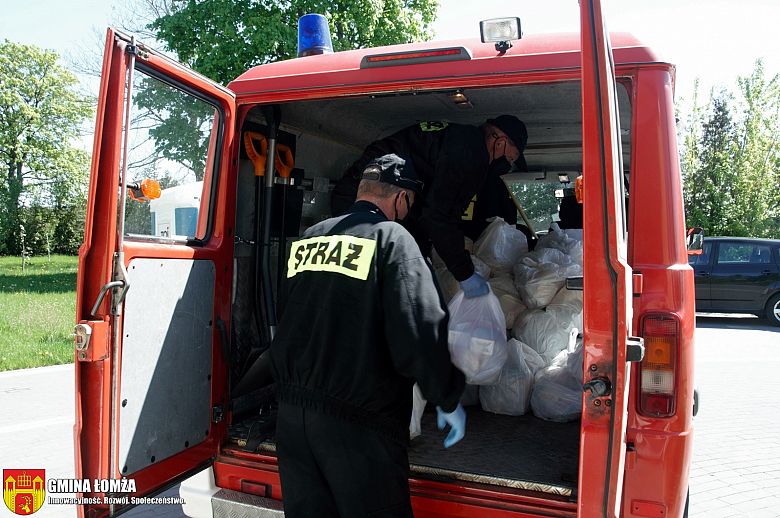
(283, 161)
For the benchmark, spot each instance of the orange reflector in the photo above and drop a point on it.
(150, 188)
(658, 352)
(144, 191)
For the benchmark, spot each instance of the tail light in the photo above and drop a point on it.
(658, 370)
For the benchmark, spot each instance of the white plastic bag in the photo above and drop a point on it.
(532, 358)
(477, 337)
(540, 274)
(503, 284)
(511, 395)
(561, 240)
(418, 407)
(512, 308)
(500, 245)
(511, 304)
(557, 390)
(543, 333)
(566, 307)
(538, 284)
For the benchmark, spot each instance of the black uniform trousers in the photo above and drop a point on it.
(330, 467)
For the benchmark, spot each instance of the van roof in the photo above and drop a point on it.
(533, 52)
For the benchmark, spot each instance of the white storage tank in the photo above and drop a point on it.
(175, 212)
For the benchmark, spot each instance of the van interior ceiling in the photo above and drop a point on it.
(325, 137)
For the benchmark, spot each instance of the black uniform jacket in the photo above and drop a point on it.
(363, 321)
(452, 161)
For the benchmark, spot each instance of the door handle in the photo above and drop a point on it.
(767, 272)
(703, 274)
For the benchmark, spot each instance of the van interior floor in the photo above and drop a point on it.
(522, 452)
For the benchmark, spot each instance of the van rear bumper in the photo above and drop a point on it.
(204, 499)
(238, 505)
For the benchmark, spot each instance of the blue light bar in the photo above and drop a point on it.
(313, 35)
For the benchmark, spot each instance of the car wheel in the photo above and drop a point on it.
(773, 310)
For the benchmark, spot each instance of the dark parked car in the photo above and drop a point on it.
(738, 275)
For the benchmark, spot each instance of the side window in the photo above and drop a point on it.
(761, 255)
(735, 253)
(171, 134)
(703, 258)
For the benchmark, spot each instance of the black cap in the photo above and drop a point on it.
(516, 131)
(394, 170)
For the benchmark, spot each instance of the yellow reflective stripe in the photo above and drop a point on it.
(468, 214)
(347, 255)
(433, 125)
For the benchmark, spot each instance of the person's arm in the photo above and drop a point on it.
(459, 172)
(416, 321)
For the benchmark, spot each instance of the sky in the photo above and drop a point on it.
(712, 40)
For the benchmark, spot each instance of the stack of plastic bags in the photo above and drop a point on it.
(500, 245)
(557, 391)
(511, 394)
(541, 367)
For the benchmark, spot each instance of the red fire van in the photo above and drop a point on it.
(175, 308)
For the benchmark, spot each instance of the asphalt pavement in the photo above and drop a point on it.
(736, 466)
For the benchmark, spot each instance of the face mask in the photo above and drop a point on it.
(500, 166)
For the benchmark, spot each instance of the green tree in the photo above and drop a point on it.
(690, 160)
(40, 117)
(757, 200)
(223, 38)
(711, 179)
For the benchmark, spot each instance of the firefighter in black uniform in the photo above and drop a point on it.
(461, 167)
(363, 321)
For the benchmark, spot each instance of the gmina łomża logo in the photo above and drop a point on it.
(24, 490)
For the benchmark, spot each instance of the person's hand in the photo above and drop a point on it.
(474, 286)
(456, 419)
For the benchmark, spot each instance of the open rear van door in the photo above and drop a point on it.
(607, 278)
(150, 372)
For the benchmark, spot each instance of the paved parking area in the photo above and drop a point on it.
(736, 467)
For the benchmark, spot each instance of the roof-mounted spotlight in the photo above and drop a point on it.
(313, 35)
(502, 31)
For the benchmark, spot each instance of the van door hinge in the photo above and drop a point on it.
(216, 414)
(635, 349)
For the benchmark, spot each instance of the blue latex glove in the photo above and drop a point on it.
(456, 419)
(474, 286)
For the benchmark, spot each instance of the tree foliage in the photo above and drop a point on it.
(223, 38)
(40, 117)
(730, 160)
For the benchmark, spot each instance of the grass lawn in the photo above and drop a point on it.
(37, 311)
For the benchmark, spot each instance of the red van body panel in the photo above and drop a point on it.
(654, 467)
